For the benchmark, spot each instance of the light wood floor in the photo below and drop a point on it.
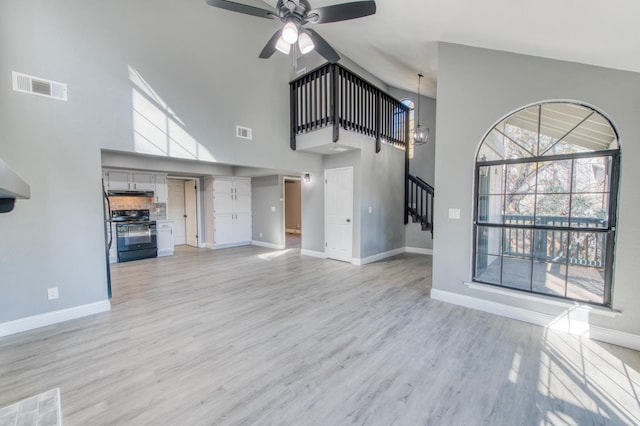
(256, 336)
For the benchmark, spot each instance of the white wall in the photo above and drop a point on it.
(183, 52)
(478, 87)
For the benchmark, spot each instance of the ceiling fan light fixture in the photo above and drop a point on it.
(283, 46)
(305, 43)
(290, 32)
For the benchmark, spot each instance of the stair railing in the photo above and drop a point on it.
(420, 202)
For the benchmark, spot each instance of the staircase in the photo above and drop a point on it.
(420, 203)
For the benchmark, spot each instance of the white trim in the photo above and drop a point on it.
(203, 245)
(539, 298)
(209, 246)
(165, 252)
(293, 231)
(229, 245)
(574, 320)
(376, 257)
(419, 250)
(53, 317)
(320, 254)
(267, 245)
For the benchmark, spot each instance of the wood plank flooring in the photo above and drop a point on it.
(254, 336)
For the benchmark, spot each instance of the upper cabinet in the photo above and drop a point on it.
(127, 180)
(142, 181)
(160, 191)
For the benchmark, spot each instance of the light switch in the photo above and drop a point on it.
(273, 208)
(454, 213)
(370, 209)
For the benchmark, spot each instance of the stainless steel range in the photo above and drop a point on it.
(136, 234)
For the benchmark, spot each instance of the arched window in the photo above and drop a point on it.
(409, 103)
(546, 191)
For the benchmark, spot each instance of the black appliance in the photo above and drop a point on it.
(136, 235)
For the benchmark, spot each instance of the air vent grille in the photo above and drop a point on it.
(243, 132)
(39, 86)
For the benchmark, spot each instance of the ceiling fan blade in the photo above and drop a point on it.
(242, 8)
(342, 12)
(322, 47)
(270, 48)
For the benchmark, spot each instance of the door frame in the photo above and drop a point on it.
(325, 209)
(284, 208)
(198, 180)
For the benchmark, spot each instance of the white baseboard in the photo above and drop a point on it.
(312, 253)
(54, 317)
(377, 257)
(167, 252)
(418, 250)
(209, 246)
(203, 245)
(293, 231)
(574, 321)
(267, 245)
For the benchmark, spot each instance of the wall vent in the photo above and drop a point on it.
(243, 132)
(39, 86)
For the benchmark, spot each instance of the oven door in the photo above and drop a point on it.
(136, 236)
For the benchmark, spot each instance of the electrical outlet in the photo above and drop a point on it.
(370, 209)
(52, 293)
(261, 235)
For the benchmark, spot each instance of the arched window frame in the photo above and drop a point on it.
(536, 228)
(408, 102)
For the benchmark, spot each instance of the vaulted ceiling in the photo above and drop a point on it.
(400, 40)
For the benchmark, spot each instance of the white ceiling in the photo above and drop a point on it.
(400, 40)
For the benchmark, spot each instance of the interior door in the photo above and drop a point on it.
(338, 205)
(176, 211)
(191, 223)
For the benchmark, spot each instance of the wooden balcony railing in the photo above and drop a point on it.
(334, 96)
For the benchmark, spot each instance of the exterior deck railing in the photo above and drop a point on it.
(583, 240)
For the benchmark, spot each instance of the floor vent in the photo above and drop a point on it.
(39, 86)
(243, 132)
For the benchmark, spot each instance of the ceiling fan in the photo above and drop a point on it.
(296, 14)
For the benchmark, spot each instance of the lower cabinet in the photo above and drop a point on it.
(164, 237)
(231, 229)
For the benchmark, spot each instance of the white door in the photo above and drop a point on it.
(338, 213)
(191, 223)
(175, 210)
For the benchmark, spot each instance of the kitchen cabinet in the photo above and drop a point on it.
(128, 180)
(160, 192)
(117, 180)
(228, 211)
(164, 237)
(142, 181)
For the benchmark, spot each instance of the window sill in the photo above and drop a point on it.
(539, 298)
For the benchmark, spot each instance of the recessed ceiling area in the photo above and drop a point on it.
(400, 40)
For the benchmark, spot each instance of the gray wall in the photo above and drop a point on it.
(55, 146)
(292, 210)
(378, 181)
(266, 192)
(423, 162)
(478, 87)
(382, 189)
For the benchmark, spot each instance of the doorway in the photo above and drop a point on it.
(292, 212)
(338, 213)
(182, 210)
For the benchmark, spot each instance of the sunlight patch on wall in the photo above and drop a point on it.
(157, 130)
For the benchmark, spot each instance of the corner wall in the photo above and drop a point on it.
(477, 88)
